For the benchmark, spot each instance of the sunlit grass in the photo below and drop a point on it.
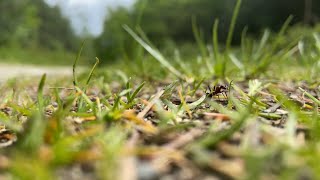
(157, 116)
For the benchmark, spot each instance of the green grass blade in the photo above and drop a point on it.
(314, 99)
(32, 137)
(244, 47)
(197, 86)
(155, 53)
(57, 97)
(40, 93)
(84, 91)
(273, 116)
(182, 64)
(122, 75)
(233, 24)
(201, 44)
(116, 103)
(285, 25)
(141, 9)
(75, 81)
(84, 96)
(215, 40)
(128, 86)
(282, 31)
(92, 70)
(124, 92)
(262, 43)
(144, 37)
(135, 93)
(236, 62)
(317, 40)
(169, 89)
(198, 102)
(170, 105)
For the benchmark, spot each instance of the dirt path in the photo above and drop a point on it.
(8, 71)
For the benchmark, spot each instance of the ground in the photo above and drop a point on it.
(248, 113)
(160, 130)
(8, 71)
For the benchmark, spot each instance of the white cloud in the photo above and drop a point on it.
(88, 14)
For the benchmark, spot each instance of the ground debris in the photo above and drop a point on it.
(161, 131)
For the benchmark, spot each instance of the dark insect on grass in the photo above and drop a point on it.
(216, 90)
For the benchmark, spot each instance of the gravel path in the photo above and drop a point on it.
(8, 71)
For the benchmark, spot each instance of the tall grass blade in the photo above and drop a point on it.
(144, 37)
(215, 40)
(128, 86)
(122, 75)
(201, 44)
(32, 138)
(155, 53)
(262, 43)
(282, 31)
(141, 8)
(184, 67)
(244, 47)
(236, 62)
(84, 96)
(314, 99)
(40, 93)
(197, 86)
(317, 39)
(135, 93)
(92, 70)
(199, 40)
(75, 81)
(168, 90)
(233, 24)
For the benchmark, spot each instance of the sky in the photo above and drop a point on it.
(88, 15)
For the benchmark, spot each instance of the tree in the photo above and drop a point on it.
(18, 22)
(171, 19)
(54, 30)
(114, 42)
(33, 23)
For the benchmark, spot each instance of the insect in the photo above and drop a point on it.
(219, 89)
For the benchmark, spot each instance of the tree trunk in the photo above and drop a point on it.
(307, 11)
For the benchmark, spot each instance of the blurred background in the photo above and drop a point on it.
(51, 31)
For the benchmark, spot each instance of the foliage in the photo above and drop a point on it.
(152, 126)
(18, 22)
(165, 22)
(101, 126)
(32, 23)
(54, 30)
(112, 42)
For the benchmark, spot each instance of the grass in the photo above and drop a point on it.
(154, 119)
(36, 56)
